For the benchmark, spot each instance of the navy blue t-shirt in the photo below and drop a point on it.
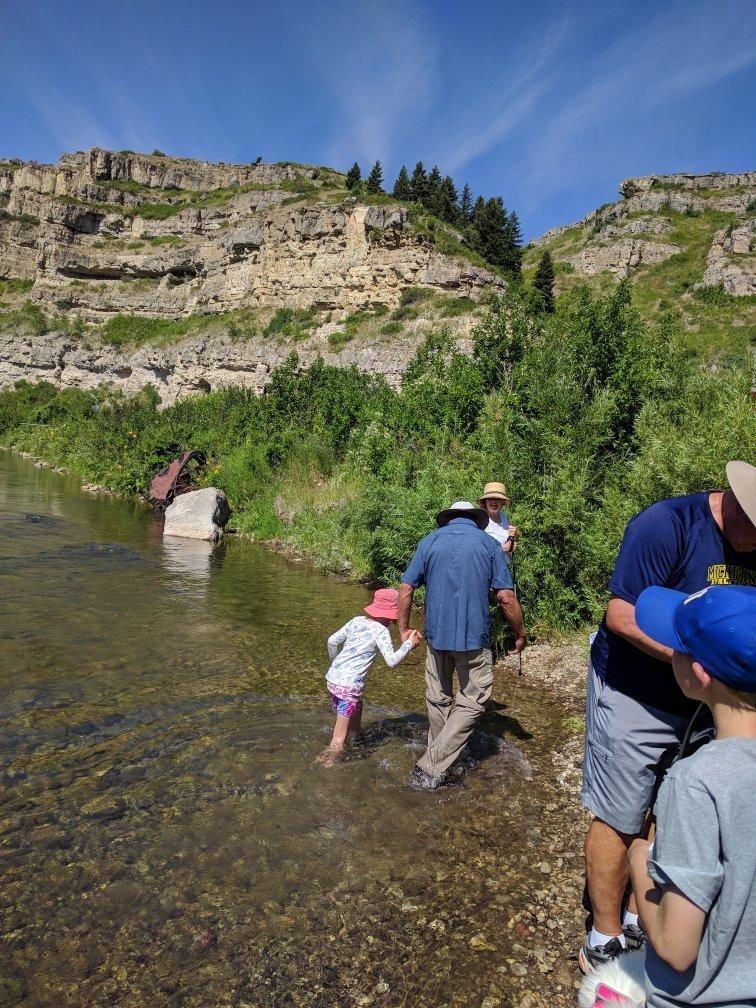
(674, 544)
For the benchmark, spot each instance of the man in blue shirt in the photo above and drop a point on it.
(635, 711)
(459, 565)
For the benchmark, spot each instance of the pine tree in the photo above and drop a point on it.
(478, 211)
(465, 206)
(514, 244)
(402, 187)
(418, 182)
(477, 225)
(543, 281)
(432, 197)
(375, 178)
(354, 176)
(495, 234)
(448, 201)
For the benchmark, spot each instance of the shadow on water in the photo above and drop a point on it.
(167, 836)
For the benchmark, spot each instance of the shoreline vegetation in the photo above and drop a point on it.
(588, 414)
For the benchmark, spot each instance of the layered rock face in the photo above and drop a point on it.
(731, 261)
(625, 235)
(190, 367)
(108, 232)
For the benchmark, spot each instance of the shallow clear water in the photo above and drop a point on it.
(166, 838)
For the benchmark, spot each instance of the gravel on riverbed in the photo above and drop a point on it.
(550, 927)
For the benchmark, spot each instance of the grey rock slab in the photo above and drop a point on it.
(199, 514)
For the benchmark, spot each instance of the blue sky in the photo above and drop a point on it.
(548, 104)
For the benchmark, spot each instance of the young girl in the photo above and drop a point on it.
(362, 638)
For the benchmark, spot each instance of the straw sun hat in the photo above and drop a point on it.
(742, 479)
(497, 490)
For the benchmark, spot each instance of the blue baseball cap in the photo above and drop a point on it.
(716, 627)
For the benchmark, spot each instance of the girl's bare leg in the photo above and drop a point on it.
(340, 732)
(338, 740)
(355, 722)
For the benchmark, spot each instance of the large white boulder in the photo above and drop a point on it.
(200, 514)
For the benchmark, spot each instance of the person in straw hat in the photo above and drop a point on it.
(493, 500)
(459, 565)
(635, 711)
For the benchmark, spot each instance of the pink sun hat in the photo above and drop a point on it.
(385, 604)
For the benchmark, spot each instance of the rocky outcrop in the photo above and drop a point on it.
(193, 366)
(199, 514)
(637, 227)
(106, 232)
(730, 193)
(681, 180)
(731, 262)
(619, 258)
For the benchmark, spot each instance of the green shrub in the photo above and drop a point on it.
(339, 337)
(29, 317)
(391, 328)
(134, 330)
(452, 307)
(405, 313)
(294, 323)
(10, 287)
(413, 296)
(588, 415)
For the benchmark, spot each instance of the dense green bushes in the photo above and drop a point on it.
(587, 414)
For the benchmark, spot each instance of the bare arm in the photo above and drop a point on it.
(512, 613)
(673, 923)
(406, 592)
(620, 619)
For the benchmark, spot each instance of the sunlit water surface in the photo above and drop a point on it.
(167, 839)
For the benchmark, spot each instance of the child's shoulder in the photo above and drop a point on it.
(720, 764)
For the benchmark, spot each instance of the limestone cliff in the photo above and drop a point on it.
(107, 232)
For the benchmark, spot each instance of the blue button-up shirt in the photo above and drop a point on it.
(459, 565)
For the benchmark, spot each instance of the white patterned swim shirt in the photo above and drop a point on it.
(362, 638)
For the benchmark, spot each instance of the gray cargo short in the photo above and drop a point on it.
(624, 742)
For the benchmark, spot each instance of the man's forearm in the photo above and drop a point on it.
(405, 608)
(620, 619)
(512, 612)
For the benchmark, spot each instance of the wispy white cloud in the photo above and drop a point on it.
(494, 105)
(684, 48)
(377, 63)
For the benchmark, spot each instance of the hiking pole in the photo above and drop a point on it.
(517, 596)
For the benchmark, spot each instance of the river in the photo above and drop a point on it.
(167, 839)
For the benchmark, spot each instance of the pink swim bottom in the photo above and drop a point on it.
(345, 700)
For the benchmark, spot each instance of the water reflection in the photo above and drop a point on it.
(189, 557)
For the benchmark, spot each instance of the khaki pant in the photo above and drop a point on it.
(452, 718)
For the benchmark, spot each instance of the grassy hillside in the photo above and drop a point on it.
(711, 322)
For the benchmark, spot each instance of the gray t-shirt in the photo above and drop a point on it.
(706, 846)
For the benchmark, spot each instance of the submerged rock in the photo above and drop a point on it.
(200, 514)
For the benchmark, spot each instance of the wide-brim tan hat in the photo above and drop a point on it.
(742, 479)
(497, 490)
(462, 509)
